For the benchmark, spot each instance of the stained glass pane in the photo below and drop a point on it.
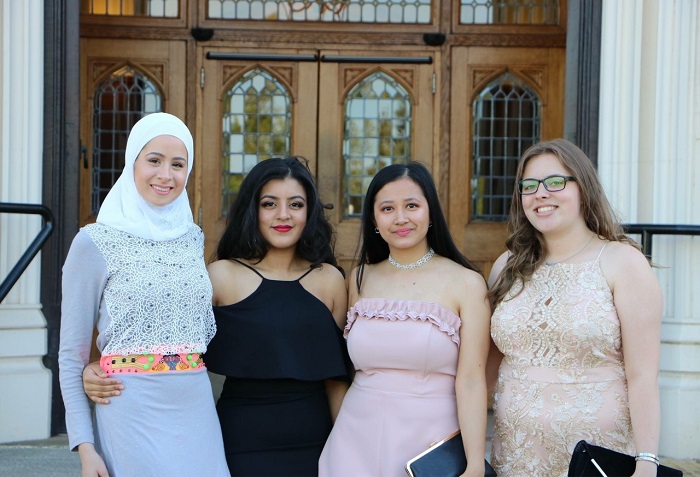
(132, 8)
(377, 133)
(337, 11)
(124, 98)
(257, 125)
(506, 121)
(509, 12)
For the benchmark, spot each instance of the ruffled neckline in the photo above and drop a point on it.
(400, 310)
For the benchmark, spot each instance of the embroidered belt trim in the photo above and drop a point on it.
(151, 363)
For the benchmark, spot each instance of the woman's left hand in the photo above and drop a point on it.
(98, 385)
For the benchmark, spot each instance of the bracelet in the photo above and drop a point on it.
(648, 456)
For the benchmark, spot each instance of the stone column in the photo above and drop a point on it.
(649, 137)
(25, 400)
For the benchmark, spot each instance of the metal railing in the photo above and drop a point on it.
(647, 231)
(34, 247)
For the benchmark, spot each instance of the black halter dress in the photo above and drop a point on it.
(276, 348)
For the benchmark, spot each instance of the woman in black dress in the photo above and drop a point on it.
(280, 303)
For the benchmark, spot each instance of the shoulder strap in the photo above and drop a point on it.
(311, 269)
(601, 251)
(248, 266)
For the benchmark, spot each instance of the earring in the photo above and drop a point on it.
(430, 225)
(376, 230)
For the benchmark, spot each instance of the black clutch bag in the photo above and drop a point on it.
(588, 460)
(443, 459)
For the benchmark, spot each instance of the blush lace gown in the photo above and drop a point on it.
(562, 377)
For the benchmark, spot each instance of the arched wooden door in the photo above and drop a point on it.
(121, 82)
(256, 79)
(348, 112)
(503, 101)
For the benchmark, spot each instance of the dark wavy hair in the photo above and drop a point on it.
(374, 249)
(242, 237)
(526, 243)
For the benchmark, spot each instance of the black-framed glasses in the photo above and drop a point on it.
(551, 183)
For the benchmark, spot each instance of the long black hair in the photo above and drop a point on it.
(374, 249)
(242, 237)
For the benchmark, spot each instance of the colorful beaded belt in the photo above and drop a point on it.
(151, 363)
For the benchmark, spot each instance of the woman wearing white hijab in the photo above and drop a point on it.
(138, 274)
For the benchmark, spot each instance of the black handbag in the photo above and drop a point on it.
(588, 460)
(443, 459)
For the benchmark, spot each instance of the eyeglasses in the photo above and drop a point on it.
(551, 183)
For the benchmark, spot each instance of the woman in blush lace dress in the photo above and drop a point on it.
(417, 329)
(576, 324)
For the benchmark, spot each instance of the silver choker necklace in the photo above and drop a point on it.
(413, 265)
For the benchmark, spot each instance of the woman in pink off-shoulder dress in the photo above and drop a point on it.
(417, 330)
(576, 323)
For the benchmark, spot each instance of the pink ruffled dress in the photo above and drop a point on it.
(402, 398)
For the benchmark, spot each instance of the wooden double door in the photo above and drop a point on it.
(193, 82)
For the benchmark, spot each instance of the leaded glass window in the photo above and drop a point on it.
(257, 125)
(132, 8)
(337, 11)
(119, 102)
(506, 121)
(509, 12)
(377, 133)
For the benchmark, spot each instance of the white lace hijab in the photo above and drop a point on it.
(125, 209)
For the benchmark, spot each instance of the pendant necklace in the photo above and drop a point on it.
(572, 256)
(422, 261)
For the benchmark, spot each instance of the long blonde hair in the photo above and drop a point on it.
(526, 244)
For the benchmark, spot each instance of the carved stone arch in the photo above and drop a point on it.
(532, 77)
(154, 72)
(231, 74)
(351, 76)
(480, 76)
(101, 69)
(285, 75)
(355, 75)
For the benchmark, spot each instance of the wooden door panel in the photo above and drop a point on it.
(337, 79)
(298, 78)
(483, 244)
(162, 62)
(318, 90)
(473, 68)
